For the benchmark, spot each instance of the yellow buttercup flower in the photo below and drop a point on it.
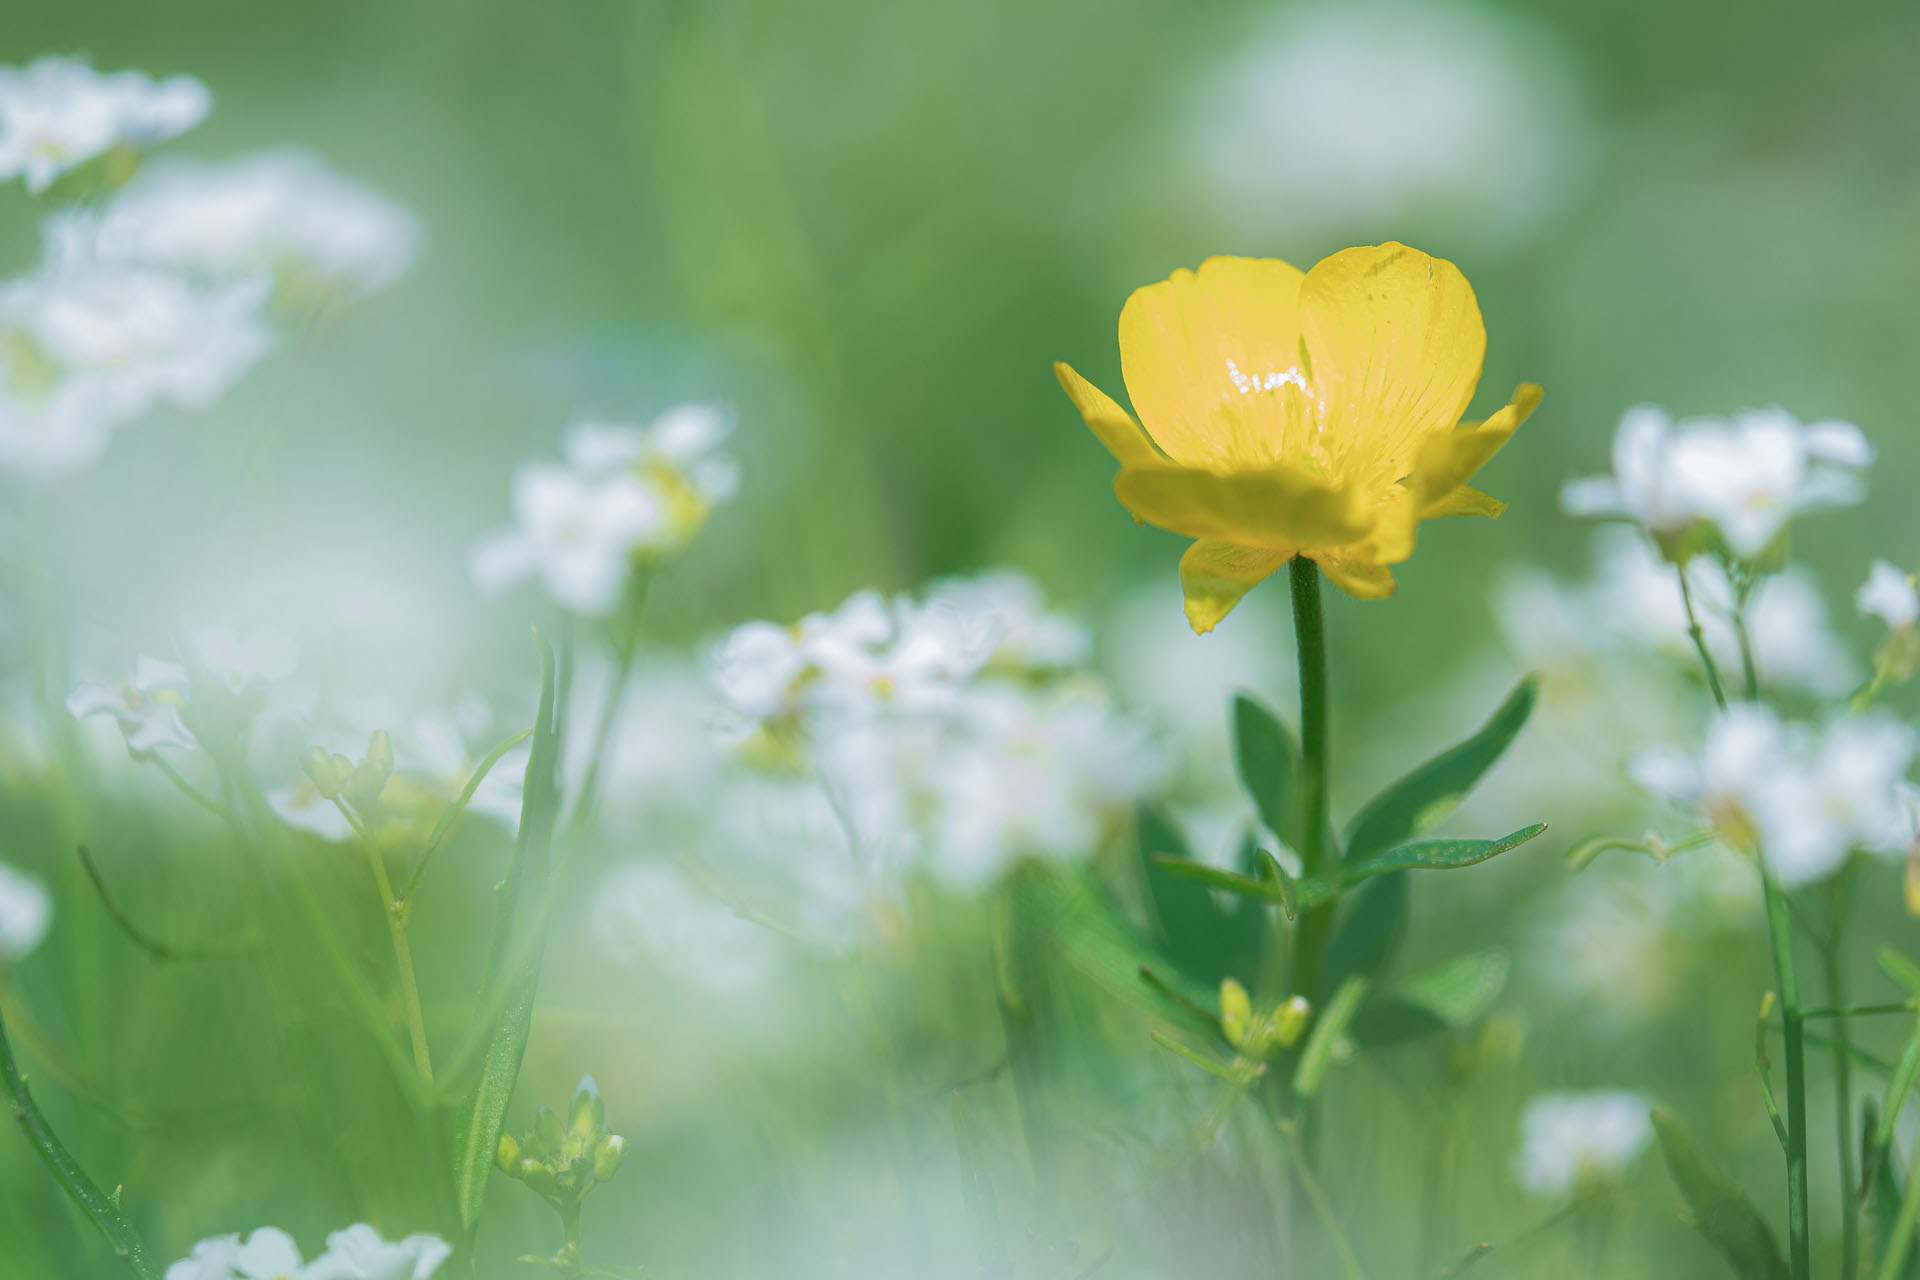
(1299, 413)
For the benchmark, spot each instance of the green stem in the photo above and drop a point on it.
(1700, 640)
(1310, 936)
(102, 1208)
(392, 909)
(1844, 1011)
(1322, 1209)
(626, 645)
(1833, 965)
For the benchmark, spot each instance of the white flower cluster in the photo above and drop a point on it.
(57, 114)
(1889, 595)
(157, 296)
(1802, 796)
(1571, 1142)
(948, 736)
(950, 728)
(1744, 478)
(151, 704)
(355, 1253)
(622, 494)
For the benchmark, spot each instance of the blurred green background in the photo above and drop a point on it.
(869, 228)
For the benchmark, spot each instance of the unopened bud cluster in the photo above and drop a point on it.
(356, 784)
(1258, 1036)
(564, 1161)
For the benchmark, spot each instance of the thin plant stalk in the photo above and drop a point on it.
(1310, 936)
(1833, 964)
(1780, 944)
(391, 909)
(1350, 1267)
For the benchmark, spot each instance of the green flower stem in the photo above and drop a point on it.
(1700, 640)
(1350, 1267)
(103, 1209)
(624, 639)
(1834, 969)
(393, 910)
(1310, 935)
(1792, 1020)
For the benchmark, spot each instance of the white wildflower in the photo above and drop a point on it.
(356, 1253)
(58, 113)
(26, 910)
(277, 214)
(1747, 477)
(1573, 1142)
(146, 705)
(578, 535)
(677, 456)
(1027, 636)
(1888, 594)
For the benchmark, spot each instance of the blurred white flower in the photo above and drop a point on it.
(58, 113)
(1888, 594)
(1747, 476)
(578, 535)
(1331, 115)
(1034, 774)
(677, 456)
(146, 705)
(26, 910)
(246, 660)
(1575, 1141)
(280, 214)
(650, 909)
(356, 1253)
(1027, 636)
(1804, 797)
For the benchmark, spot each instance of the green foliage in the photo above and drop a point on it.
(1721, 1211)
(1267, 759)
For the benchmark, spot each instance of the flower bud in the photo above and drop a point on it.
(507, 1155)
(329, 773)
(1289, 1020)
(1236, 1012)
(370, 775)
(607, 1156)
(588, 1115)
(547, 1133)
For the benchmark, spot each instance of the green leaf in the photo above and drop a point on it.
(1422, 798)
(1721, 1211)
(1436, 855)
(1880, 1177)
(513, 959)
(1369, 934)
(1205, 941)
(1092, 938)
(1327, 1030)
(1305, 894)
(1461, 991)
(1198, 1059)
(1902, 970)
(1389, 1020)
(1899, 1087)
(1268, 761)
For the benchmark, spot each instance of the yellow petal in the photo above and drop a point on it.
(1113, 425)
(1395, 341)
(1212, 361)
(1278, 508)
(1214, 575)
(1362, 579)
(1449, 459)
(1464, 501)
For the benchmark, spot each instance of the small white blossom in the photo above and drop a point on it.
(650, 909)
(1573, 1141)
(26, 909)
(578, 535)
(242, 661)
(356, 1253)
(146, 705)
(677, 456)
(1747, 476)
(1028, 637)
(58, 113)
(277, 214)
(1805, 797)
(1888, 594)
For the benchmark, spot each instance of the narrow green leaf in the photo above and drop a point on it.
(1198, 1059)
(1306, 894)
(1422, 798)
(1435, 855)
(1369, 934)
(1327, 1030)
(1388, 1020)
(1092, 938)
(1190, 923)
(1721, 1211)
(1899, 1087)
(1462, 990)
(1268, 761)
(104, 1210)
(1268, 870)
(1902, 970)
(485, 1112)
(1882, 1194)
